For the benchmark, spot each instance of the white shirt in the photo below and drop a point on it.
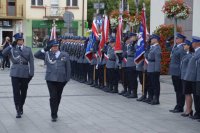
(57, 54)
(197, 49)
(22, 46)
(180, 44)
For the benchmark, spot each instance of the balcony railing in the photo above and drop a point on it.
(14, 12)
(54, 12)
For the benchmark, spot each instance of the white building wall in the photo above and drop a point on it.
(196, 18)
(157, 16)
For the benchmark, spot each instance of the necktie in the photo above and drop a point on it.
(20, 48)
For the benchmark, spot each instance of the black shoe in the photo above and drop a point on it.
(18, 114)
(122, 92)
(114, 91)
(155, 102)
(148, 100)
(126, 94)
(54, 119)
(187, 114)
(176, 111)
(195, 117)
(141, 98)
(93, 85)
(132, 96)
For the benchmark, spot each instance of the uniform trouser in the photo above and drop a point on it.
(20, 86)
(140, 75)
(180, 97)
(90, 72)
(196, 96)
(124, 79)
(101, 75)
(85, 71)
(112, 77)
(55, 92)
(72, 68)
(155, 84)
(5, 62)
(131, 75)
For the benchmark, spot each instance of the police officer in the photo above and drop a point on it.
(177, 53)
(131, 73)
(112, 77)
(187, 85)
(153, 69)
(22, 70)
(57, 73)
(193, 75)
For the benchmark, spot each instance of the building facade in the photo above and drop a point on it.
(190, 26)
(11, 17)
(35, 17)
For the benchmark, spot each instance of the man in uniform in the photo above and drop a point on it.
(153, 69)
(22, 70)
(57, 74)
(177, 54)
(112, 79)
(131, 73)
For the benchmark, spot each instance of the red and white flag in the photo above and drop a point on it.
(118, 47)
(106, 28)
(53, 33)
(95, 29)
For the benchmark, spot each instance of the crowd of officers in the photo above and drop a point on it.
(106, 71)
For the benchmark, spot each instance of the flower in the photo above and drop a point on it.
(177, 9)
(135, 20)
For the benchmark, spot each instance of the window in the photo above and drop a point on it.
(37, 2)
(40, 35)
(72, 2)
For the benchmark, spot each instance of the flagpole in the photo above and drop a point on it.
(143, 80)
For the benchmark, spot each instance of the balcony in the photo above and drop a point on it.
(54, 12)
(14, 12)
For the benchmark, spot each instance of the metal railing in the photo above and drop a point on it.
(54, 12)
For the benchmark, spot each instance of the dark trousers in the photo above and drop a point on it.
(146, 83)
(101, 75)
(85, 71)
(5, 62)
(90, 73)
(154, 85)
(72, 68)
(124, 79)
(180, 97)
(131, 76)
(196, 97)
(20, 86)
(55, 92)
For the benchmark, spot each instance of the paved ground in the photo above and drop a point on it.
(88, 110)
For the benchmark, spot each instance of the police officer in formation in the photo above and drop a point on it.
(177, 53)
(22, 70)
(58, 71)
(187, 85)
(153, 70)
(192, 76)
(130, 67)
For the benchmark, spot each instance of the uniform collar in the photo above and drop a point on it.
(196, 49)
(22, 46)
(57, 54)
(178, 45)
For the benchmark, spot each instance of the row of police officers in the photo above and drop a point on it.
(104, 69)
